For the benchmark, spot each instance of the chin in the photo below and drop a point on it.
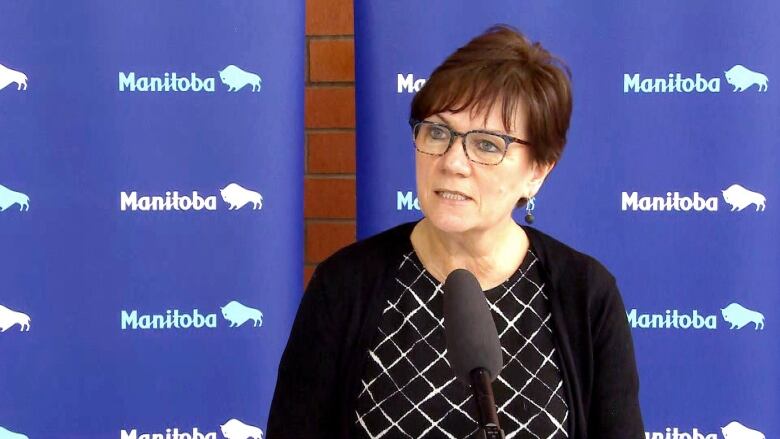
(448, 217)
(449, 223)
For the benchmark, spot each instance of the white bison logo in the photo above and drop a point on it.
(237, 314)
(8, 434)
(9, 317)
(8, 198)
(735, 430)
(235, 429)
(743, 78)
(236, 78)
(8, 76)
(237, 197)
(739, 198)
(739, 316)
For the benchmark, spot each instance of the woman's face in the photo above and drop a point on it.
(457, 195)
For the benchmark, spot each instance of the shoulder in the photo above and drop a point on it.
(563, 261)
(384, 245)
(370, 256)
(582, 290)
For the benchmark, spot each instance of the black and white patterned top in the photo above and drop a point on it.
(409, 390)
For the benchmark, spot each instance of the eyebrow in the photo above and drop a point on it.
(442, 118)
(447, 122)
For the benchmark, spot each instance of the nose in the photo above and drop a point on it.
(455, 160)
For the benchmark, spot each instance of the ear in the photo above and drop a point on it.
(542, 170)
(539, 171)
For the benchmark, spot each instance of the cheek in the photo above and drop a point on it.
(418, 172)
(515, 180)
(507, 195)
(422, 169)
(508, 188)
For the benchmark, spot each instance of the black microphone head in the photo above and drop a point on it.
(471, 336)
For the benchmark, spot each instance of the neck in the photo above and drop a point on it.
(491, 254)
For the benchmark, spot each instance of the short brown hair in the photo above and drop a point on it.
(501, 65)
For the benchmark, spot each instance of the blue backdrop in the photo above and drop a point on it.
(151, 214)
(669, 177)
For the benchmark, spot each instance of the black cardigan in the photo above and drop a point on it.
(320, 371)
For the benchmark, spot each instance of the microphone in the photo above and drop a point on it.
(473, 349)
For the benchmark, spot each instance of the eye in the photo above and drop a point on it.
(438, 133)
(487, 146)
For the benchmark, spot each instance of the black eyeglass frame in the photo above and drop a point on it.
(508, 140)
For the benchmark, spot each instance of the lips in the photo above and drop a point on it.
(452, 195)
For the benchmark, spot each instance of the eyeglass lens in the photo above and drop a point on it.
(480, 147)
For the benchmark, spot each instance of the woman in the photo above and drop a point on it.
(366, 354)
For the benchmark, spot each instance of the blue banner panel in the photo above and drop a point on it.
(150, 215)
(670, 178)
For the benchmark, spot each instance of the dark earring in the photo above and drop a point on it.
(529, 207)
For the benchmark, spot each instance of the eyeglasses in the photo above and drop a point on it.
(481, 146)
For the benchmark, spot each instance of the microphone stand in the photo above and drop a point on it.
(486, 405)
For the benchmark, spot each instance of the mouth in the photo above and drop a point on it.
(452, 195)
